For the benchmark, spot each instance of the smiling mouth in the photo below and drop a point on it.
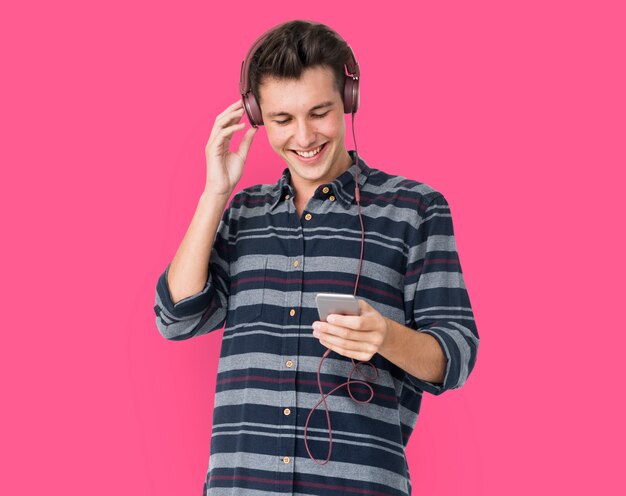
(308, 154)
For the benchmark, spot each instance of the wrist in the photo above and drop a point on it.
(209, 196)
(390, 336)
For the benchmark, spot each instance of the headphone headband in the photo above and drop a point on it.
(351, 94)
(244, 81)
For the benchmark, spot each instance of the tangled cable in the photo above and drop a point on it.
(323, 399)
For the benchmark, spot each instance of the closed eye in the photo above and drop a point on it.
(317, 116)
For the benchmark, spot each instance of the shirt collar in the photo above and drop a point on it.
(342, 185)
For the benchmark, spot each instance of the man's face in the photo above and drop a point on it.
(294, 121)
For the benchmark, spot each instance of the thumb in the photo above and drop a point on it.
(244, 146)
(363, 305)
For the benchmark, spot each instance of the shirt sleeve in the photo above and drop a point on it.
(440, 302)
(206, 310)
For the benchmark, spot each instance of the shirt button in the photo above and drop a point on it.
(292, 312)
(308, 216)
(296, 263)
(287, 196)
(286, 411)
(286, 459)
(289, 363)
(331, 198)
(326, 190)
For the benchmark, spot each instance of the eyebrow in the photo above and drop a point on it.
(318, 106)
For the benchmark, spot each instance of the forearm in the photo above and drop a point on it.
(188, 271)
(415, 352)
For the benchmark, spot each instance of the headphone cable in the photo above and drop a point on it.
(355, 365)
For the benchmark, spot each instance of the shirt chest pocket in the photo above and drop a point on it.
(247, 289)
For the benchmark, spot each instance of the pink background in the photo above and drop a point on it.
(515, 111)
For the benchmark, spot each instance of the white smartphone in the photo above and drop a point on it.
(343, 304)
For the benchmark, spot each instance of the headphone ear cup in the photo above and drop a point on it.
(253, 110)
(351, 96)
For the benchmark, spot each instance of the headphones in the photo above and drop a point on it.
(351, 100)
(351, 96)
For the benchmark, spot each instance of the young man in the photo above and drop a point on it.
(255, 265)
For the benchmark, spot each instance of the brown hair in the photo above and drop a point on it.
(294, 46)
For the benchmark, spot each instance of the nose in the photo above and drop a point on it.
(305, 134)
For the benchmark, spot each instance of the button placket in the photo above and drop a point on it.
(288, 417)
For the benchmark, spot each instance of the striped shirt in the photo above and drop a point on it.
(266, 266)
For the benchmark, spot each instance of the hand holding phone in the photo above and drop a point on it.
(339, 303)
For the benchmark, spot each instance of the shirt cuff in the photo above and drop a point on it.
(189, 306)
(433, 387)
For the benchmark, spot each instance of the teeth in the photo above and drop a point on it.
(309, 154)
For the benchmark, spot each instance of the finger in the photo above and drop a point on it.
(246, 141)
(224, 135)
(228, 110)
(342, 344)
(342, 333)
(362, 354)
(235, 104)
(228, 118)
(229, 130)
(224, 122)
(351, 321)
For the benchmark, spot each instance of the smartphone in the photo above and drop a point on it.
(343, 304)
